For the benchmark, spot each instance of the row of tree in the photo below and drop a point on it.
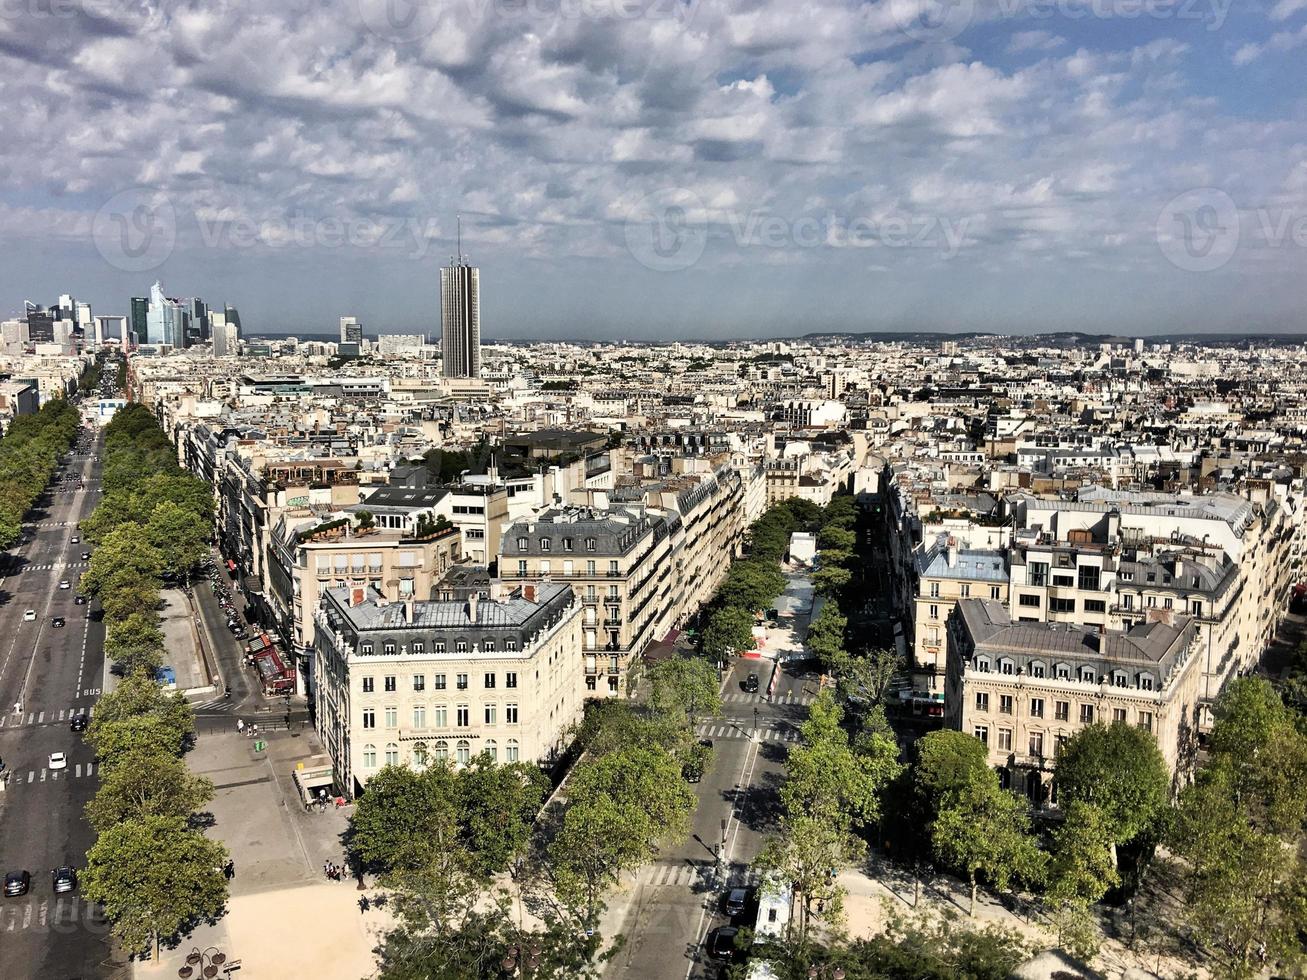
(151, 867)
(153, 522)
(29, 456)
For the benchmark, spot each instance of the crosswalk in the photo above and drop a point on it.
(55, 565)
(51, 717)
(60, 912)
(686, 874)
(789, 697)
(739, 730)
(17, 780)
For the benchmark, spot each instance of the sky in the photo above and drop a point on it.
(664, 169)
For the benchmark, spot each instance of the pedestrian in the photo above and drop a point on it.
(240, 726)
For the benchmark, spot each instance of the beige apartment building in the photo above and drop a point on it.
(415, 682)
(309, 553)
(1024, 688)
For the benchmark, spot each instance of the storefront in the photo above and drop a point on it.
(276, 677)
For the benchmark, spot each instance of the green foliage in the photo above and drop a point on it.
(1120, 770)
(610, 725)
(729, 631)
(832, 537)
(154, 877)
(684, 688)
(826, 635)
(125, 557)
(135, 642)
(807, 854)
(139, 712)
(179, 535)
(29, 456)
(1081, 869)
(751, 585)
(985, 830)
(144, 783)
(831, 580)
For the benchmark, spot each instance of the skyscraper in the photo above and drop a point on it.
(138, 322)
(164, 323)
(460, 320)
(351, 331)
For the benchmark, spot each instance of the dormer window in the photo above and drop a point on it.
(1145, 682)
(1087, 675)
(523, 544)
(1006, 666)
(982, 665)
(545, 544)
(591, 544)
(567, 544)
(1062, 672)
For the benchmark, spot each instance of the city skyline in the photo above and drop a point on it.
(700, 171)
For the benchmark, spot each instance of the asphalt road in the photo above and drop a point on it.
(48, 674)
(677, 902)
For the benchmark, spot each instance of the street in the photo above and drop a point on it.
(677, 901)
(48, 674)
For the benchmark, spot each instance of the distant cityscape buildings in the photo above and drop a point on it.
(460, 319)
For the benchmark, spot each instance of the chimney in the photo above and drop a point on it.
(408, 610)
(952, 552)
(356, 596)
(472, 605)
(529, 592)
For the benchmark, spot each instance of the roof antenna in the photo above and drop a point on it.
(459, 219)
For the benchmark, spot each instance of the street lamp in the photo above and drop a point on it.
(816, 972)
(208, 962)
(525, 960)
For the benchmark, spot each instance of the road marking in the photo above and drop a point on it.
(43, 772)
(40, 717)
(78, 771)
(30, 775)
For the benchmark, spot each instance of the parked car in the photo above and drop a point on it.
(78, 724)
(57, 622)
(751, 683)
(722, 944)
(737, 900)
(63, 584)
(64, 879)
(75, 539)
(17, 883)
(58, 760)
(79, 600)
(86, 556)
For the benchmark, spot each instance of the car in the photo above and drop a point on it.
(78, 723)
(57, 622)
(63, 584)
(86, 556)
(58, 760)
(722, 944)
(751, 683)
(79, 600)
(17, 883)
(29, 616)
(64, 879)
(76, 540)
(737, 900)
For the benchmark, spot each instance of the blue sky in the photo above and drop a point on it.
(661, 169)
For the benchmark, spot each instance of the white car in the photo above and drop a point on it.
(58, 760)
(76, 540)
(29, 616)
(63, 584)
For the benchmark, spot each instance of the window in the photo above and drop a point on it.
(438, 646)
(442, 716)
(1063, 581)
(365, 648)
(521, 566)
(1005, 739)
(589, 546)
(1086, 714)
(1057, 604)
(419, 646)
(1036, 707)
(567, 544)
(982, 733)
(440, 682)
(420, 756)
(491, 749)
(934, 590)
(1150, 600)
(982, 701)
(460, 646)
(1168, 602)
(1006, 666)
(489, 681)
(1119, 679)
(1197, 607)
(390, 682)
(1095, 605)
(1118, 716)
(545, 544)
(419, 716)
(590, 567)
(1127, 601)
(545, 567)
(1037, 573)
(1061, 710)
(1037, 744)
(367, 685)
(1145, 682)
(460, 681)
(392, 754)
(392, 716)
(523, 544)
(510, 752)
(441, 752)
(994, 592)
(488, 646)
(1035, 669)
(1062, 672)
(966, 590)
(369, 757)
(1005, 704)
(491, 714)
(982, 664)
(369, 717)
(388, 646)
(461, 716)
(1087, 675)
(463, 753)
(419, 682)
(612, 568)
(510, 646)
(510, 679)
(934, 611)
(1146, 720)
(1031, 601)
(1089, 576)
(510, 714)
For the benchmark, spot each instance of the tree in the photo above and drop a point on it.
(807, 855)
(135, 641)
(729, 630)
(1080, 868)
(985, 830)
(826, 634)
(404, 813)
(124, 555)
(497, 809)
(867, 676)
(154, 877)
(751, 585)
(144, 783)
(684, 688)
(138, 697)
(115, 740)
(831, 580)
(126, 593)
(1118, 769)
(180, 536)
(947, 762)
(835, 538)
(1256, 738)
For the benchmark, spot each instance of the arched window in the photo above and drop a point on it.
(510, 753)
(463, 752)
(420, 757)
(492, 749)
(392, 754)
(369, 757)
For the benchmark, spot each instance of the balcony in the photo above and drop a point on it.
(612, 622)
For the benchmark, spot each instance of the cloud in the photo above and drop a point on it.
(1023, 41)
